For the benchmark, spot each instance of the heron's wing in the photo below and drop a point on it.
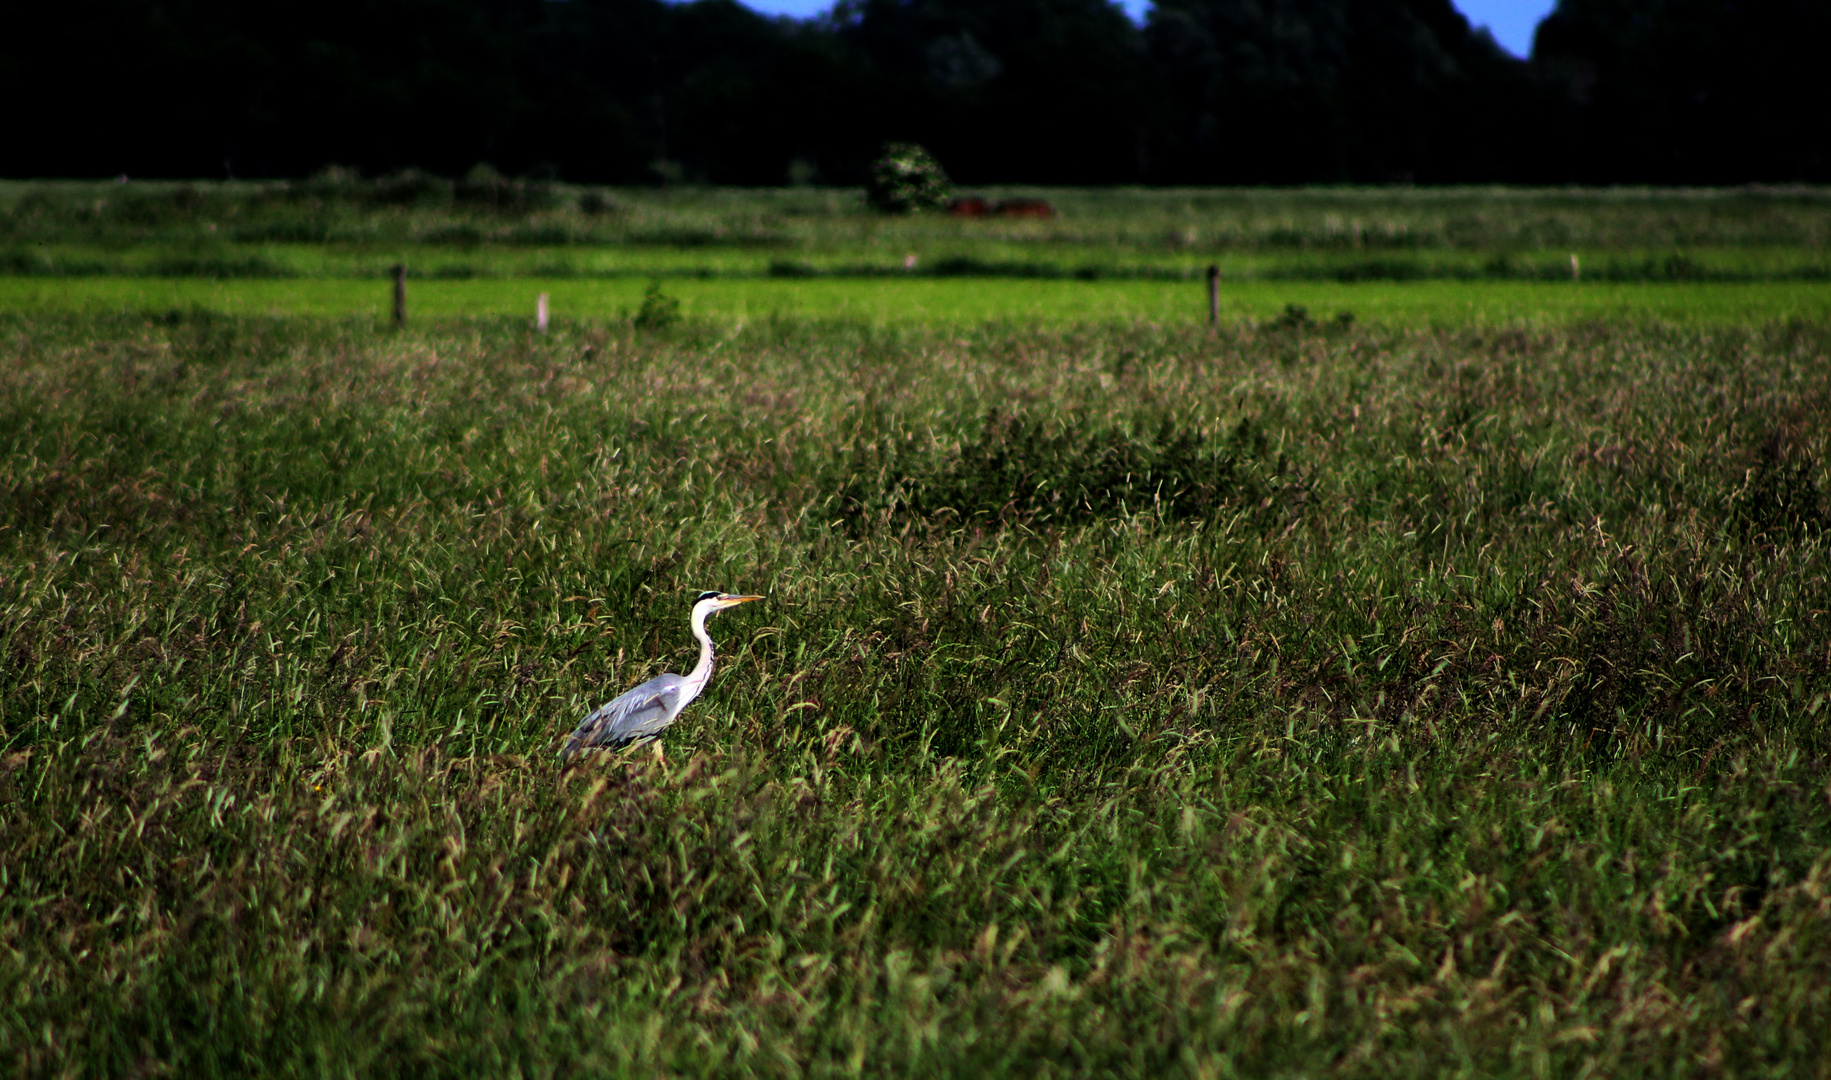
(639, 714)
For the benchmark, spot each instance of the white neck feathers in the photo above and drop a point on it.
(702, 671)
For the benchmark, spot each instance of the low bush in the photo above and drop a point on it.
(906, 177)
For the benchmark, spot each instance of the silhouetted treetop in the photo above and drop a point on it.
(1045, 91)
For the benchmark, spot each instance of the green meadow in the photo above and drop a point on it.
(1441, 691)
(324, 247)
(922, 301)
(335, 226)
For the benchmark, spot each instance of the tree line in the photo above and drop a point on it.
(1020, 91)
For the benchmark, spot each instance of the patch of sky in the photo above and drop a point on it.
(1510, 21)
(805, 9)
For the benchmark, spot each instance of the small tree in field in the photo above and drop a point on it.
(906, 177)
(659, 310)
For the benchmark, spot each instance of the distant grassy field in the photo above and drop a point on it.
(954, 301)
(423, 209)
(340, 227)
(1300, 700)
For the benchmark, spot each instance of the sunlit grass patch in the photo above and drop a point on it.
(936, 301)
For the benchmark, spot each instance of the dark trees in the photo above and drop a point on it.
(1054, 91)
(200, 87)
(1047, 91)
(1686, 91)
(1283, 91)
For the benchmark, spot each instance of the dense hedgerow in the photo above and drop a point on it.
(1130, 700)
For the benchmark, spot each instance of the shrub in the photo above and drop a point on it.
(659, 310)
(905, 178)
(483, 185)
(596, 202)
(413, 187)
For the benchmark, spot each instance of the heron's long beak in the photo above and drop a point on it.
(732, 601)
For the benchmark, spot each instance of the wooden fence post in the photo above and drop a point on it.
(540, 313)
(400, 294)
(1574, 275)
(1214, 295)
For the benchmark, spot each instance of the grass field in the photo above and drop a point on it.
(337, 227)
(1398, 256)
(1129, 701)
(957, 301)
(422, 210)
(961, 255)
(1445, 691)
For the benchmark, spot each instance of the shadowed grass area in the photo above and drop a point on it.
(354, 214)
(1131, 700)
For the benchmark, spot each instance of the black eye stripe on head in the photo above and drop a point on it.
(705, 596)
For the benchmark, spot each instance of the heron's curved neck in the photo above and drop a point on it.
(702, 671)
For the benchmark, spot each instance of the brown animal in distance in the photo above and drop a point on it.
(973, 206)
(1025, 208)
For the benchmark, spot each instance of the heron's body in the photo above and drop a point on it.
(646, 711)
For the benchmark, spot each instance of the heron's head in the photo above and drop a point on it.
(718, 601)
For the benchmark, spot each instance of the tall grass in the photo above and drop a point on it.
(1130, 700)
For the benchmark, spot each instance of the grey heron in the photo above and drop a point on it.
(644, 713)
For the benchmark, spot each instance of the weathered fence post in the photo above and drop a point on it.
(1574, 275)
(400, 294)
(1214, 295)
(540, 313)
